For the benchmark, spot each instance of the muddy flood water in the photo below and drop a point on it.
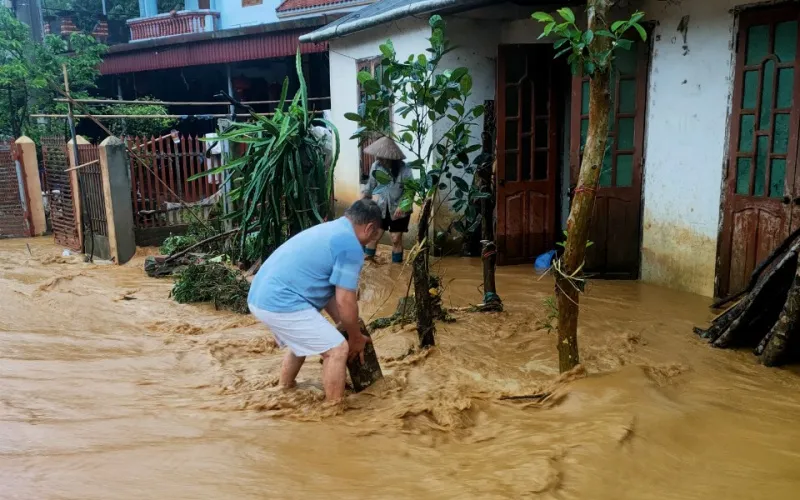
(109, 390)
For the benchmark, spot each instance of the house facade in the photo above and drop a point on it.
(698, 184)
(243, 47)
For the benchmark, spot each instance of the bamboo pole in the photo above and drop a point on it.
(176, 103)
(81, 166)
(148, 117)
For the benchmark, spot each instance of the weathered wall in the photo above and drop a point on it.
(689, 96)
(408, 37)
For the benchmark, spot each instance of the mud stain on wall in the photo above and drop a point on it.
(678, 257)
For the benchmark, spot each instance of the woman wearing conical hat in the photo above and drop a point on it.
(389, 159)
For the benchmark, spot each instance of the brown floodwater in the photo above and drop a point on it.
(110, 390)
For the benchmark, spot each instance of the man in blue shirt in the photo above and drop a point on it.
(315, 270)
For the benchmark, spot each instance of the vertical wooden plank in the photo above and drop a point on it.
(192, 193)
(169, 164)
(185, 191)
(162, 180)
(141, 197)
(148, 172)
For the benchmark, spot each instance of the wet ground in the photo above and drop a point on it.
(109, 390)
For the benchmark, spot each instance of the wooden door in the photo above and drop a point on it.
(527, 153)
(615, 227)
(760, 183)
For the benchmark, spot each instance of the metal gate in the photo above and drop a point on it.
(59, 193)
(13, 221)
(92, 202)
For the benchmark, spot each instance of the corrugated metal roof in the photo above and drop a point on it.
(289, 5)
(211, 51)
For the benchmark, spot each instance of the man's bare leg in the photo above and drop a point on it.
(290, 368)
(334, 367)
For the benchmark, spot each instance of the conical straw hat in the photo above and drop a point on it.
(385, 148)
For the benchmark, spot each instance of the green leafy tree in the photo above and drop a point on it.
(85, 13)
(436, 130)
(31, 72)
(139, 127)
(590, 51)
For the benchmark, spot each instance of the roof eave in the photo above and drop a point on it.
(422, 7)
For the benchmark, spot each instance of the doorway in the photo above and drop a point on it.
(527, 151)
(615, 226)
(762, 196)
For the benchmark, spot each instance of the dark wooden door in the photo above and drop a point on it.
(760, 187)
(615, 228)
(527, 152)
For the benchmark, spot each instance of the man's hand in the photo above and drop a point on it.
(357, 345)
(398, 214)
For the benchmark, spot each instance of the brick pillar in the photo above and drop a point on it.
(33, 184)
(73, 182)
(115, 173)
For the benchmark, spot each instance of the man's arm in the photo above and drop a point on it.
(347, 308)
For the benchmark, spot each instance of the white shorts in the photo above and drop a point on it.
(306, 332)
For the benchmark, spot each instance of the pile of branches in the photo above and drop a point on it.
(212, 282)
(766, 314)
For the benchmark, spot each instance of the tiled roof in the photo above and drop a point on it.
(290, 5)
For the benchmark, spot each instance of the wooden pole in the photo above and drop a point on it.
(77, 161)
(119, 117)
(173, 103)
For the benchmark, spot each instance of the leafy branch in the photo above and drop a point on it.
(579, 44)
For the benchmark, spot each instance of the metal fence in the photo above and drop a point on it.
(161, 169)
(13, 221)
(58, 192)
(91, 185)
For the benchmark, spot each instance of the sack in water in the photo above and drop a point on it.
(543, 261)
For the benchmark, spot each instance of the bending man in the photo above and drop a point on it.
(317, 269)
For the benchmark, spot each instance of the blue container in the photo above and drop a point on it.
(544, 261)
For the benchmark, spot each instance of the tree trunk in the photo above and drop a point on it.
(567, 289)
(491, 300)
(426, 329)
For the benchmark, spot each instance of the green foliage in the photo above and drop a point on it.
(583, 54)
(563, 244)
(425, 96)
(139, 127)
(85, 12)
(176, 243)
(283, 184)
(29, 72)
(551, 314)
(212, 282)
(472, 218)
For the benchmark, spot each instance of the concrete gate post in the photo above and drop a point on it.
(73, 182)
(115, 175)
(33, 184)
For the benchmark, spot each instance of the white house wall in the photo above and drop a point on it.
(409, 37)
(689, 99)
(688, 103)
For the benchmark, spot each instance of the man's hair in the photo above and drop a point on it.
(364, 212)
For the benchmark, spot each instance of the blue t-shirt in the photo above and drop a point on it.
(305, 271)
